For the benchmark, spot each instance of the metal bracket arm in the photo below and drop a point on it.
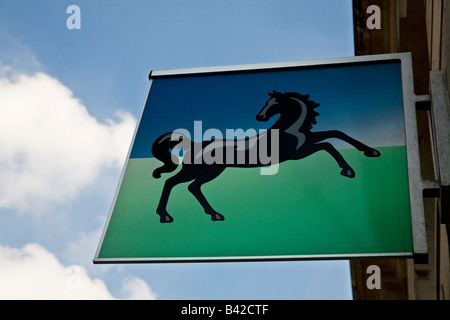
(440, 120)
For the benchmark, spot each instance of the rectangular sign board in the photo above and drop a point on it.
(283, 161)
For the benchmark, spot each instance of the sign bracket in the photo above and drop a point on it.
(440, 126)
(438, 106)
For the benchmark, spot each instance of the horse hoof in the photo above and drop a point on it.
(372, 153)
(166, 218)
(217, 217)
(348, 172)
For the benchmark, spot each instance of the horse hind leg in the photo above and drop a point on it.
(180, 177)
(161, 210)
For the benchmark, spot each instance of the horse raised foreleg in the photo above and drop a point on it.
(322, 135)
(346, 171)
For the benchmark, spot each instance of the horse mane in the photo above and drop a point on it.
(311, 114)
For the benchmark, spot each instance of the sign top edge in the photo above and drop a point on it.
(275, 65)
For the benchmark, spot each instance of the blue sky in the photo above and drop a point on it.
(69, 102)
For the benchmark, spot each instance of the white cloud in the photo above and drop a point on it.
(32, 272)
(137, 289)
(17, 55)
(81, 251)
(50, 146)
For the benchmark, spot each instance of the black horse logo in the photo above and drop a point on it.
(295, 141)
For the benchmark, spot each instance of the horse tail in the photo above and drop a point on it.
(161, 150)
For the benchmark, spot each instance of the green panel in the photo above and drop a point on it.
(307, 208)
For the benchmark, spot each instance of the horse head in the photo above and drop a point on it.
(271, 108)
(290, 105)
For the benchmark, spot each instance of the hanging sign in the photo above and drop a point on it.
(284, 161)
